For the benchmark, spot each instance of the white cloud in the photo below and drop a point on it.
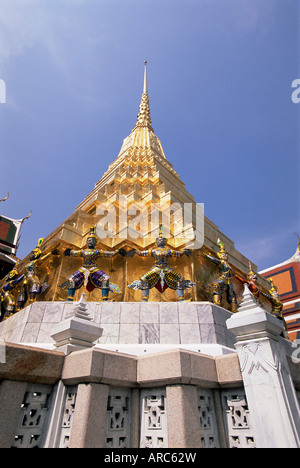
(61, 29)
(21, 25)
(50, 24)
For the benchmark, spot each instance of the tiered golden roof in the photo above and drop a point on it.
(140, 174)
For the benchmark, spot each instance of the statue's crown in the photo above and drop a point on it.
(160, 235)
(222, 248)
(37, 251)
(92, 233)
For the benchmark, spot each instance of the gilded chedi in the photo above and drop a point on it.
(139, 191)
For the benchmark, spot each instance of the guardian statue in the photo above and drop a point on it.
(90, 274)
(7, 300)
(161, 276)
(223, 282)
(31, 285)
(251, 282)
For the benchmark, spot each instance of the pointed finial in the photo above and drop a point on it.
(81, 309)
(298, 245)
(144, 118)
(27, 217)
(145, 77)
(3, 199)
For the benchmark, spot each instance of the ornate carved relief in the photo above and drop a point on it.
(208, 425)
(255, 358)
(67, 418)
(118, 418)
(154, 418)
(237, 419)
(33, 412)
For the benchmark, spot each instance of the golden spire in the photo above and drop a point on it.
(145, 77)
(144, 118)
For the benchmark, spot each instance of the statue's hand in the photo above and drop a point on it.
(67, 252)
(188, 252)
(122, 252)
(131, 253)
(204, 253)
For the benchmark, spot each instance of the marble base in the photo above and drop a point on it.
(134, 325)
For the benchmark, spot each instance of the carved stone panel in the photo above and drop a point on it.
(207, 419)
(153, 418)
(67, 417)
(237, 419)
(118, 418)
(30, 430)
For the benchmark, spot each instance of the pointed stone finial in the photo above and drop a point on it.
(81, 309)
(249, 302)
(78, 331)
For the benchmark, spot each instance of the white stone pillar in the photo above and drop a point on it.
(269, 388)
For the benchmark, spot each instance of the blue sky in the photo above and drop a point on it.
(219, 83)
